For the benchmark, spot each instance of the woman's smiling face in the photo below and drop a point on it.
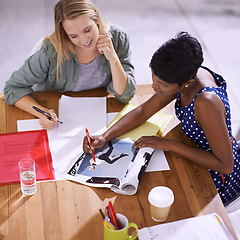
(82, 31)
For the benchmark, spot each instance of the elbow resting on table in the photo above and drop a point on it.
(227, 169)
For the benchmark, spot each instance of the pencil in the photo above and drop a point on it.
(106, 222)
(108, 225)
(109, 214)
(222, 222)
(114, 215)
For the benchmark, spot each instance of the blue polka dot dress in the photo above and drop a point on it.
(231, 188)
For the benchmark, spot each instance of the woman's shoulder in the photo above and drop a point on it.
(116, 29)
(48, 46)
(208, 101)
(117, 32)
(43, 52)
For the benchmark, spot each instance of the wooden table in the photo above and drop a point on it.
(66, 210)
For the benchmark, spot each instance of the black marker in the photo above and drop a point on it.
(44, 113)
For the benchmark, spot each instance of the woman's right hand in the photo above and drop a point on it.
(97, 142)
(47, 124)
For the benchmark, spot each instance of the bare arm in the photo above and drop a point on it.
(26, 103)
(119, 76)
(210, 114)
(131, 120)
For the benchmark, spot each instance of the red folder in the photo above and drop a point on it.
(29, 144)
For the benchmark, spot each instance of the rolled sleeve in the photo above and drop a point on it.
(33, 71)
(128, 93)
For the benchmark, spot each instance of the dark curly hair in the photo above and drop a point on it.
(178, 59)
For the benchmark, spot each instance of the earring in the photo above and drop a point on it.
(186, 85)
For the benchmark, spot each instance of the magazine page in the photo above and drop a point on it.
(135, 171)
(119, 166)
(112, 161)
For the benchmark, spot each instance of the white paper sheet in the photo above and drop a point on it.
(66, 150)
(63, 150)
(110, 117)
(205, 227)
(28, 125)
(80, 113)
(158, 162)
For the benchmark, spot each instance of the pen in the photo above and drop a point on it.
(44, 113)
(106, 222)
(90, 144)
(222, 222)
(100, 210)
(118, 224)
(113, 217)
(109, 215)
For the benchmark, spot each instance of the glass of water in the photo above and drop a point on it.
(27, 176)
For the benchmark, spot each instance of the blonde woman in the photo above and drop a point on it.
(81, 54)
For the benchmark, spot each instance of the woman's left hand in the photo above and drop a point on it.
(105, 47)
(153, 142)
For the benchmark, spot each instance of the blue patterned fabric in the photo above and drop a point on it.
(230, 189)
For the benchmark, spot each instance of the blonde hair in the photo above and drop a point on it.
(70, 9)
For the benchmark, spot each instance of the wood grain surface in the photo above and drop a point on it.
(65, 210)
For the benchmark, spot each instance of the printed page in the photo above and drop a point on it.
(111, 163)
(135, 171)
(205, 227)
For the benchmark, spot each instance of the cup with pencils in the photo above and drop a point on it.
(116, 225)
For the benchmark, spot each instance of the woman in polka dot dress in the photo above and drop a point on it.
(202, 106)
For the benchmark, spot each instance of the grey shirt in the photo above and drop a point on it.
(91, 75)
(41, 70)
